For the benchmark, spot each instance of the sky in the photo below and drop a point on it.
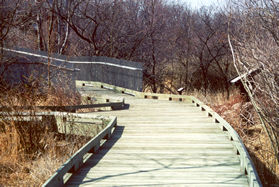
(196, 4)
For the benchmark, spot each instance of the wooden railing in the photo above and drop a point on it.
(60, 177)
(73, 108)
(246, 163)
(143, 95)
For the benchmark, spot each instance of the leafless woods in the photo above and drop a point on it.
(179, 46)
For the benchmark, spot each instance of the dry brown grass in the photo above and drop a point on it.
(241, 115)
(30, 151)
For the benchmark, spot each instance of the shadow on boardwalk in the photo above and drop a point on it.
(118, 131)
(95, 159)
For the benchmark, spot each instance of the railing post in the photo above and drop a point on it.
(78, 163)
(96, 147)
(108, 134)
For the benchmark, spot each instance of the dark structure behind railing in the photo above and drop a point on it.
(117, 72)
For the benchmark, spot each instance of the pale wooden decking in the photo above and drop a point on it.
(162, 143)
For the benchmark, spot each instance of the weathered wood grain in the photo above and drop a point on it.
(163, 143)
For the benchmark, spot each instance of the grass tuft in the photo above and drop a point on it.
(31, 151)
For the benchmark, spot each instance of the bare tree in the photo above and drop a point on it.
(170, 39)
(9, 18)
(205, 35)
(153, 50)
(13, 16)
(255, 45)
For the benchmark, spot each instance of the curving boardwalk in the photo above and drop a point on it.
(162, 143)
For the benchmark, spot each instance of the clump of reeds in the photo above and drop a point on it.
(30, 150)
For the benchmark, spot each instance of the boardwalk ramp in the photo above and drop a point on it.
(166, 141)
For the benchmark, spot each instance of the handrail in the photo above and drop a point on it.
(71, 61)
(70, 108)
(77, 160)
(142, 95)
(246, 163)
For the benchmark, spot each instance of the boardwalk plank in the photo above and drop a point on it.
(162, 143)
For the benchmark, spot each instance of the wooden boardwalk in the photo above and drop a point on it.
(162, 143)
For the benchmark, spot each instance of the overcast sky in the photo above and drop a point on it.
(196, 4)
